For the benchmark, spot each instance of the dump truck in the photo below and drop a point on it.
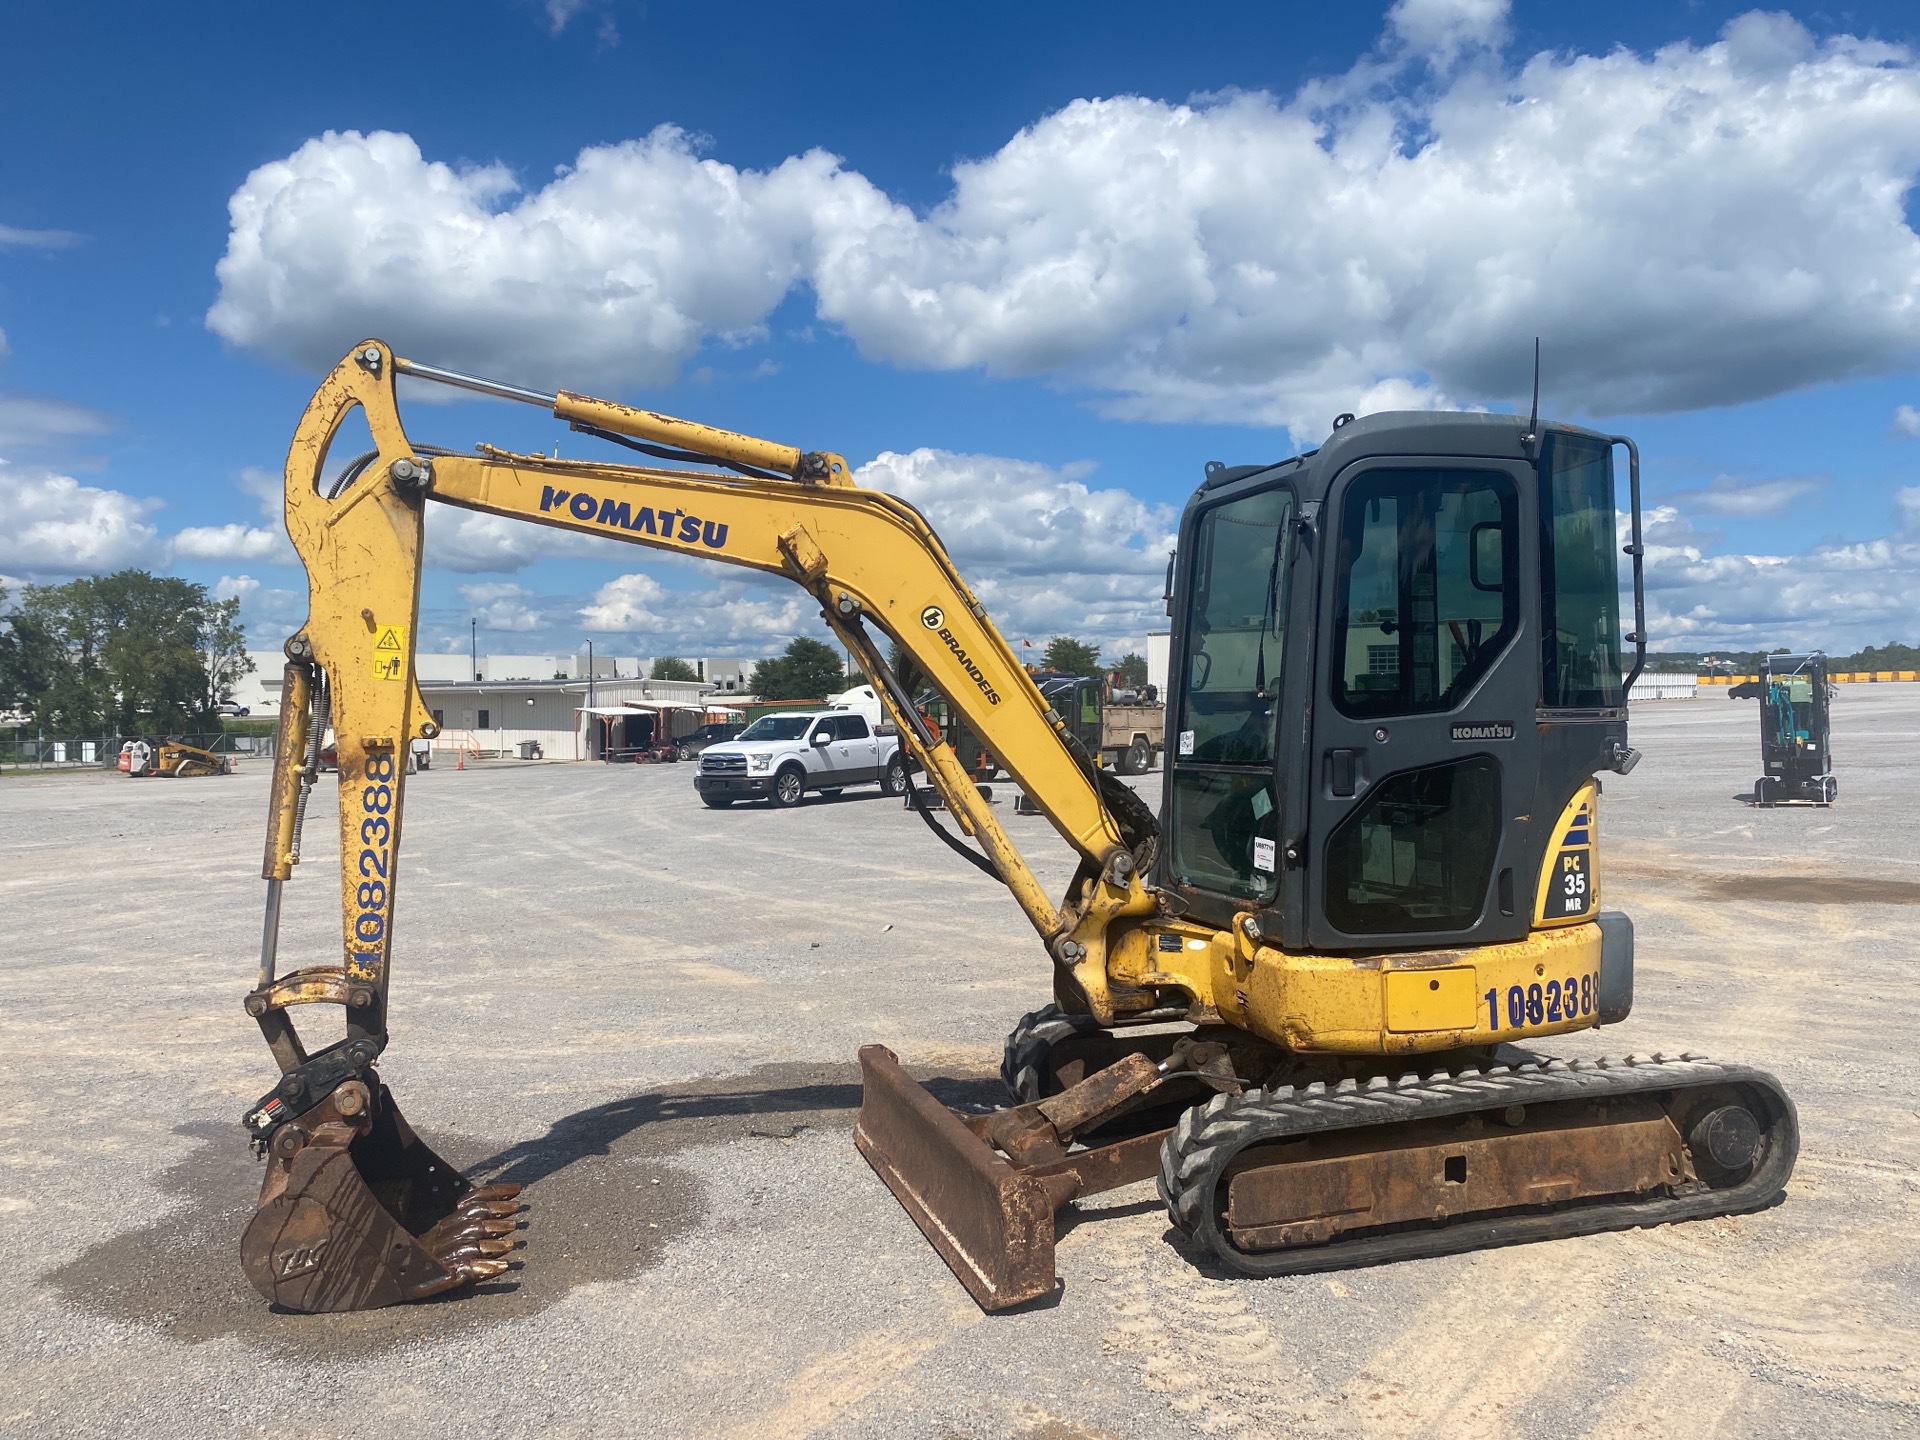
(1308, 997)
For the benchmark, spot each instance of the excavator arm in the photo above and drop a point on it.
(870, 559)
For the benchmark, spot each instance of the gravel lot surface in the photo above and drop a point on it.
(648, 1012)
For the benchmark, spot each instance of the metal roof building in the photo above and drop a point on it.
(567, 719)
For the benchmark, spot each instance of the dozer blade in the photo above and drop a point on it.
(991, 1223)
(357, 1212)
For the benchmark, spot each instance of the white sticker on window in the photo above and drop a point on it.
(1263, 855)
(1262, 803)
(1186, 742)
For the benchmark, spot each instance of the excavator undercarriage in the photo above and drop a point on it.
(1305, 1174)
(1307, 997)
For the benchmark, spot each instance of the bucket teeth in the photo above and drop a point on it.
(462, 1255)
(356, 1212)
(488, 1210)
(457, 1230)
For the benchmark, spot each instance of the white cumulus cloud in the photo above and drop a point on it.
(469, 542)
(503, 607)
(1701, 225)
(232, 541)
(53, 526)
(614, 271)
(1835, 595)
(1906, 421)
(730, 617)
(1046, 553)
(1443, 28)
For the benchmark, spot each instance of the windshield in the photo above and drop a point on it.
(778, 727)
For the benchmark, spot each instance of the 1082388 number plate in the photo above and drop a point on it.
(1543, 1002)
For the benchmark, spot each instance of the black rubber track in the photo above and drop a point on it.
(1194, 1158)
(1023, 1062)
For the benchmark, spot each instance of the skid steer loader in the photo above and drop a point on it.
(1295, 997)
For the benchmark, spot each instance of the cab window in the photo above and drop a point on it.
(1236, 631)
(1416, 853)
(1579, 584)
(1224, 824)
(1428, 593)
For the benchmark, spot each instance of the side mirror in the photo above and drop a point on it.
(822, 738)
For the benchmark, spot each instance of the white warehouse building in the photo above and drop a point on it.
(260, 691)
(567, 719)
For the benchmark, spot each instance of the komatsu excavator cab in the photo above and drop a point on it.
(1396, 666)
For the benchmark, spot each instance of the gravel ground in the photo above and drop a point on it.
(648, 1011)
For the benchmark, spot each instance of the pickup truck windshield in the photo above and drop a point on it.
(778, 727)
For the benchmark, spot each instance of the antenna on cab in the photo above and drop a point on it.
(1533, 420)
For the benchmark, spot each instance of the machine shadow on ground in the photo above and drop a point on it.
(604, 1202)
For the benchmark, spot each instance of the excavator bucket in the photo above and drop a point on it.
(357, 1212)
(992, 1223)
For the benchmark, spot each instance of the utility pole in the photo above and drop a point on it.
(473, 646)
(589, 674)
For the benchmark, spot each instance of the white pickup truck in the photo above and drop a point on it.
(780, 757)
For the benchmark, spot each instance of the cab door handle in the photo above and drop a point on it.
(1343, 772)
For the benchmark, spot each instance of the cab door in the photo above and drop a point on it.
(1423, 748)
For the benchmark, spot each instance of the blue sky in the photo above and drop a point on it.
(1031, 266)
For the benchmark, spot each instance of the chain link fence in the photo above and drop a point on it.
(21, 751)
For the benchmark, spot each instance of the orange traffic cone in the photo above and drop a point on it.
(460, 760)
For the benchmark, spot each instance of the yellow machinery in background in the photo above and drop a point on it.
(171, 757)
(1292, 996)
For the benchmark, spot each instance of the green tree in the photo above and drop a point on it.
(805, 670)
(672, 667)
(1072, 657)
(1132, 671)
(29, 660)
(130, 652)
(223, 651)
(1890, 656)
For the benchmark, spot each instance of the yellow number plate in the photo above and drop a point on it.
(1431, 1000)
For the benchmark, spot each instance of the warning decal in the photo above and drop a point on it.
(390, 653)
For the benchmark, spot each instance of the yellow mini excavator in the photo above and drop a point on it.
(1294, 996)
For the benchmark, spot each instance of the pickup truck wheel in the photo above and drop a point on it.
(716, 802)
(1137, 758)
(895, 782)
(788, 786)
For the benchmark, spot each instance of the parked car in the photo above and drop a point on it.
(227, 707)
(780, 757)
(709, 734)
